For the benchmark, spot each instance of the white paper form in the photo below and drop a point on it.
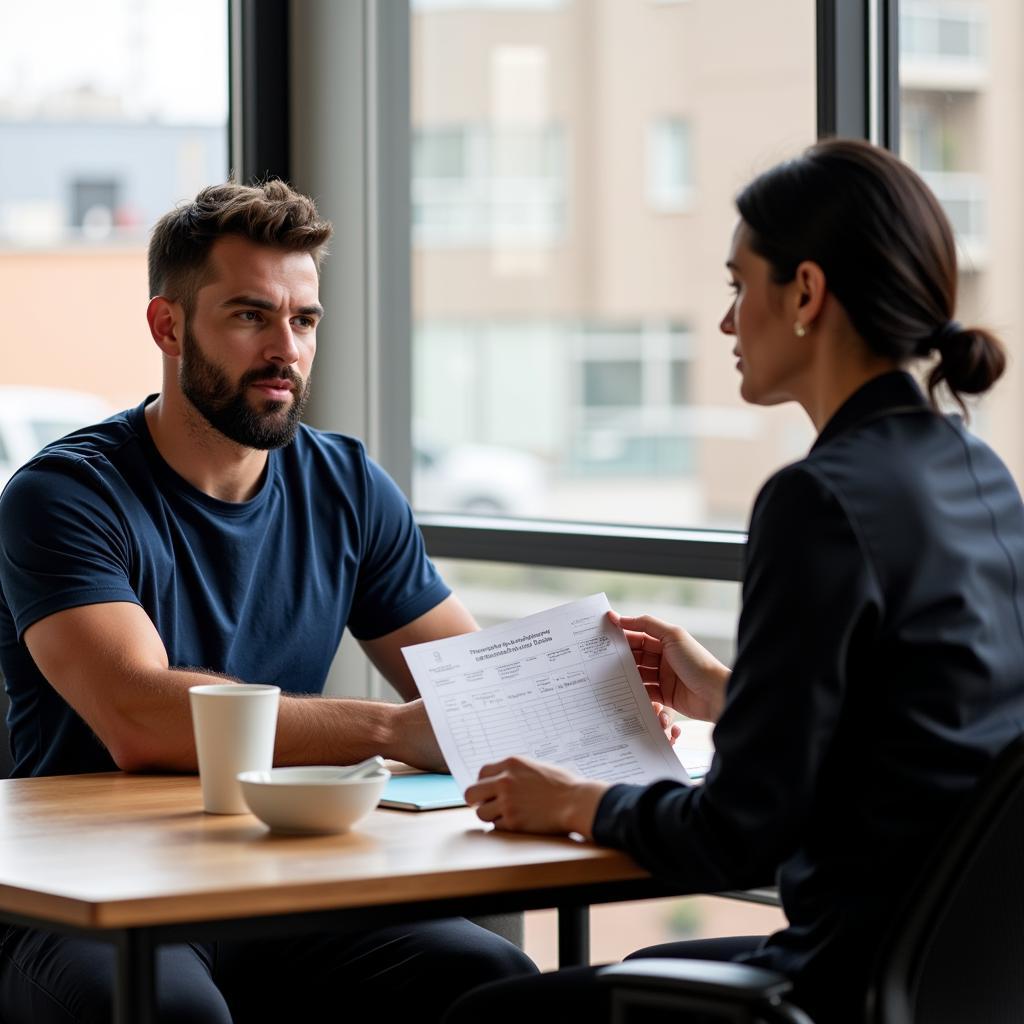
(558, 686)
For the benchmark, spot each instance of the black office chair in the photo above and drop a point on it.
(6, 763)
(956, 956)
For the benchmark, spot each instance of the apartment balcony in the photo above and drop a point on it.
(528, 212)
(964, 197)
(943, 46)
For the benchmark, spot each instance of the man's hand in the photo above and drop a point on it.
(521, 795)
(412, 737)
(676, 670)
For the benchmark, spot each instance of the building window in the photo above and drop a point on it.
(612, 382)
(944, 45)
(520, 6)
(669, 164)
(478, 185)
(93, 206)
(944, 31)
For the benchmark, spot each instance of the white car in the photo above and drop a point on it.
(478, 479)
(31, 418)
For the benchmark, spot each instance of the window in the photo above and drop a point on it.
(938, 30)
(116, 110)
(558, 311)
(466, 5)
(612, 382)
(93, 204)
(475, 186)
(958, 129)
(669, 165)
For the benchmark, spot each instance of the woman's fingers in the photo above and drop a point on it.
(658, 630)
(640, 641)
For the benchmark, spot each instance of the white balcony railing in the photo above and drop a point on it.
(510, 212)
(964, 197)
(943, 45)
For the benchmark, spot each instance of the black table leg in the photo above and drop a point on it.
(573, 936)
(135, 982)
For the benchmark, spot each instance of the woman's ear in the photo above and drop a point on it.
(166, 320)
(810, 289)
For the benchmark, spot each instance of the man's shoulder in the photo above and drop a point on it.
(338, 465)
(96, 449)
(88, 466)
(329, 442)
(102, 439)
(329, 455)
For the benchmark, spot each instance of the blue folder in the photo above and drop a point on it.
(422, 793)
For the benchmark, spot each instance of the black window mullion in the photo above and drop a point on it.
(889, 74)
(260, 65)
(843, 69)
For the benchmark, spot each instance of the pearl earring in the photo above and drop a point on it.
(799, 330)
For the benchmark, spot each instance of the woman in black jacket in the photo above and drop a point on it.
(880, 653)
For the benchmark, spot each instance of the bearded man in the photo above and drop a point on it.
(208, 533)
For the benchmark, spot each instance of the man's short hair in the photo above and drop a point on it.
(270, 213)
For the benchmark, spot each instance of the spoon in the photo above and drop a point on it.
(370, 766)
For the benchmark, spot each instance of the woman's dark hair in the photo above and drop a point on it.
(887, 251)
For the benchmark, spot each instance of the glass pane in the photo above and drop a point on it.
(959, 82)
(111, 112)
(669, 171)
(574, 170)
(612, 383)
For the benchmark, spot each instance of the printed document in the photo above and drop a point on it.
(559, 686)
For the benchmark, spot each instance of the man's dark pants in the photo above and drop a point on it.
(411, 972)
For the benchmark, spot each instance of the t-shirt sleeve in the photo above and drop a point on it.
(62, 544)
(397, 581)
(808, 590)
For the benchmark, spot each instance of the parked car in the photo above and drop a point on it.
(478, 479)
(31, 418)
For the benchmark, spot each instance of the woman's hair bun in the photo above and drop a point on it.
(971, 359)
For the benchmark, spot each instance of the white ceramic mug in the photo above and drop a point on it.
(234, 726)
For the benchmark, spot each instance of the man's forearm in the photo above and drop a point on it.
(333, 730)
(154, 732)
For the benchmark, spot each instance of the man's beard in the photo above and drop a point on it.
(227, 408)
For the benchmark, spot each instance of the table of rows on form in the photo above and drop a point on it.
(579, 716)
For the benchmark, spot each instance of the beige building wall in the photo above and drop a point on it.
(76, 318)
(999, 290)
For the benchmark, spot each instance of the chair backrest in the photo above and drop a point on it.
(6, 763)
(959, 954)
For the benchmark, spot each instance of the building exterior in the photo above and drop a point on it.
(574, 168)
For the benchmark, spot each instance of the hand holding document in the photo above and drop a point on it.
(559, 686)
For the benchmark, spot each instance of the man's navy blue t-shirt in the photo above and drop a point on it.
(260, 590)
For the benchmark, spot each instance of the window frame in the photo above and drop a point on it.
(286, 56)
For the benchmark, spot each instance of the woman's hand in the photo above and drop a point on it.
(669, 726)
(676, 670)
(521, 795)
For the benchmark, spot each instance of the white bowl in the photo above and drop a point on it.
(311, 800)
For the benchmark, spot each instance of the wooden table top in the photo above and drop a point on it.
(115, 850)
